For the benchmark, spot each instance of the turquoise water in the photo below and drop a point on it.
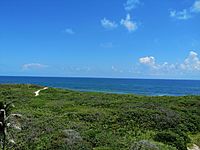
(133, 86)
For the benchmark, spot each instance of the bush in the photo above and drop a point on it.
(70, 140)
(144, 145)
(171, 138)
(71, 137)
(160, 118)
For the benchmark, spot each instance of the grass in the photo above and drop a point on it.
(102, 121)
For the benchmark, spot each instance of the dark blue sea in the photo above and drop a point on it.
(153, 87)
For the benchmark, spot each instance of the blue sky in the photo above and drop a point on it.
(100, 38)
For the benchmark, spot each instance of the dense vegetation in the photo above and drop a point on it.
(64, 119)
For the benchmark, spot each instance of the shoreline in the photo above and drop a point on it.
(101, 91)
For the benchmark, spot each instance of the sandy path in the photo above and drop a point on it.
(194, 147)
(37, 93)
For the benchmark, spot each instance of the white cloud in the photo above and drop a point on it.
(114, 69)
(149, 60)
(69, 31)
(82, 69)
(129, 24)
(181, 15)
(75, 69)
(196, 6)
(108, 24)
(33, 66)
(188, 13)
(131, 4)
(190, 65)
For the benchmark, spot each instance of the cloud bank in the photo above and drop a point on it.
(131, 4)
(188, 13)
(108, 24)
(181, 15)
(190, 65)
(31, 66)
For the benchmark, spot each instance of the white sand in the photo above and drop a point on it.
(37, 93)
(194, 147)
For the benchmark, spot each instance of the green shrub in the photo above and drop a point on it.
(101, 121)
(144, 145)
(160, 118)
(171, 138)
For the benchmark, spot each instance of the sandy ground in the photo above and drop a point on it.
(194, 147)
(37, 93)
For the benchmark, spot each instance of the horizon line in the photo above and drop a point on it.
(97, 77)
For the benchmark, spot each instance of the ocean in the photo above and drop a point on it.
(151, 87)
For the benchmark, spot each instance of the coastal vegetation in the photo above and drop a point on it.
(64, 119)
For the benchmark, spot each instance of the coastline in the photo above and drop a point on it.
(146, 87)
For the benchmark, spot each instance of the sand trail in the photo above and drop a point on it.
(37, 93)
